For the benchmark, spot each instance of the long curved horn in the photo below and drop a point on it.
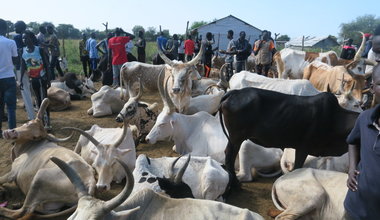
(178, 177)
(139, 95)
(222, 75)
(197, 58)
(85, 134)
(163, 91)
(72, 175)
(123, 195)
(41, 111)
(122, 136)
(171, 170)
(164, 57)
(53, 138)
(167, 97)
(361, 48)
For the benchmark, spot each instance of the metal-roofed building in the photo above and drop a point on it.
(324, 43)
(220, 27)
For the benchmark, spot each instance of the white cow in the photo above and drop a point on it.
(310, 194)
(106, 101)
(205, 177)
(201, 135)
(208, 103)
(59, 99)
(299, 87)
(148, 205)
(36, 175)
(75, 87)
(101, 146)
(339, 164)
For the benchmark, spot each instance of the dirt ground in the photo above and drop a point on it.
(255, 196)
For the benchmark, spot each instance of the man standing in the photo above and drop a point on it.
(20, 28)
(242, 52)
(263, 51)
(209, 52)
(8, 56)
(83, 53)
(117, 55)
(189, 49)
(141, 44)
(231, 50)
(348, 51)
(93, 52)
(181, 50)
(53, 44)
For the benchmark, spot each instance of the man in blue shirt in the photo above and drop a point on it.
(363, 197)
(93, 52)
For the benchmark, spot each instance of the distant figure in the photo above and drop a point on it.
(348, 51)
(208, 52)
(41, 37)
(103, 66)
(368, 44)
(141, 44)
(8, 56)
(128, 49)
(374, 53)
(189, 49)
(181, 50)
(172, 48)
(53, 44)
(230, 51)
(83, 53)
(116, 54)
(26, 94)
(263, 52)
(34, 64)
(161, 44)
(93, 52)
(242, 52)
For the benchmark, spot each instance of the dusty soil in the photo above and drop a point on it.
(255, 196)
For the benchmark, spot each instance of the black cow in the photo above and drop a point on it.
(314, 125)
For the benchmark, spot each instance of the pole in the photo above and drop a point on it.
(187, 29)
(106, 25)
(303, 41)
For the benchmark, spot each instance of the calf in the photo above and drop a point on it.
(106, 101)
(313, 125)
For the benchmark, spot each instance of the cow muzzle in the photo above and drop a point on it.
(119, 118)
(102, 187)
(10, 134)
(176, 90)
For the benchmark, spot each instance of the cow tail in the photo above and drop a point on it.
(275, 199)
(122, 95)
(221, 120)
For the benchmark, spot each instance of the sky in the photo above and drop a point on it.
(292, 17)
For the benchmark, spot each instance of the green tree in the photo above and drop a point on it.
(197, 24)
(150, 34)
(67, 31)
(34, 26)
(366, 24)
(136, 29)
(283, 38)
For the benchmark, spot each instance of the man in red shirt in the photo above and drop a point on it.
(117, 54)
(189, 48)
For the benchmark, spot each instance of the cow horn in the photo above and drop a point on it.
(164, 57)
(222, 74)
(122, 136)
(171, 170)
(163, 91)
(123, 195)
(139, 95)
(178, 177)
(85, 134)
(197, 58)
(72, 175)
(52, 138)
(361, 48)
(43, 107)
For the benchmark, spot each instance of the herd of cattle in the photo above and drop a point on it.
(252, 124)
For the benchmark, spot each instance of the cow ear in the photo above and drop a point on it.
(122, 152)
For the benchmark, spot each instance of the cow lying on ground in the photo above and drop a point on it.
(204, 176)
(148, 205)
(339, 164)
(36, 175)
(106, 101)
(59, 99)
(313, 125)
(200, 134)
(100, 147)
(76, 88)
(300, 87)
(310, 194)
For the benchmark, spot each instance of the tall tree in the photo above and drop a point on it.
(67, 31)
(366, 24)
(150, 34)
(34, 26)
(284, 37)
(197, 24)
(136, 29)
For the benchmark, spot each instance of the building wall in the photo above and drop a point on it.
(220, 27)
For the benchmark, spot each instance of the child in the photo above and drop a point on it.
(363, 197)
(34, 64)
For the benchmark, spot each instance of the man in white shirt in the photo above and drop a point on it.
(8, 55)
(374, 52)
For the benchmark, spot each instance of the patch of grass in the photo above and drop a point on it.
(73, 59)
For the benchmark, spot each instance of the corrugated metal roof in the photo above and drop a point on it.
(309, 41)
(213, 22)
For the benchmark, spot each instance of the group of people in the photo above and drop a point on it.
(31, 60)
